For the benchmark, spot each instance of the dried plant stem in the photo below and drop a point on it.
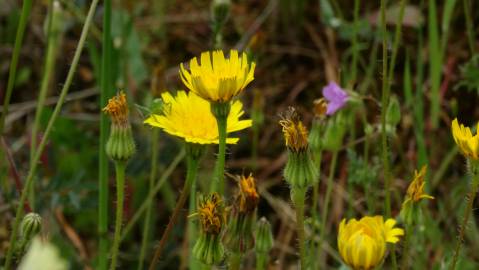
(41, 146)
(192, 164)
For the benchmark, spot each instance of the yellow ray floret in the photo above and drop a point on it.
(468, 144)
(216, 78)
(188, 116)
(362, 244)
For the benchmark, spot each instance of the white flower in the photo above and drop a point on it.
(42, 256)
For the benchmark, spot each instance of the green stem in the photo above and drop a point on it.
(355, 42)
(261, 261)
(474, 168)
(314, 209)
(329, 188)
(151, 184)
(405, 251)
(192, 164)
(193, 263)
(220, 161)
(41, 146)
(298, 197)
(106, 89)
(469, 25)
(27, 6)
(120, 190)
(234, 261)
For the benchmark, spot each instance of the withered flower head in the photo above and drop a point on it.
(295, 133)
(320, 107)
(117, 108)
(211, 213)
(415, 191)
(248, 197)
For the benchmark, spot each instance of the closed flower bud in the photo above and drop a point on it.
(334, 133)
(208, 248)
(300, 171)
(220, 10)
(31, 226)
(120, 145)
(264, 236)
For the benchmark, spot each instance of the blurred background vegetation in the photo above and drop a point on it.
(299, 46)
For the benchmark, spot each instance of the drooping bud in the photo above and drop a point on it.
(120, 145)
(31, 225)
(300, 171)
(208, 248)
(239, 235)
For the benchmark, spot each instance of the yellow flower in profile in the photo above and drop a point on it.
(415, 191)
(295, 133)
(211, 213)
(117, 108)
(216, 78)
(362, 244)
(188, 116)
(248, 195)
(468, 144)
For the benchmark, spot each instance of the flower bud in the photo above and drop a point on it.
(334, 133)
(220, 10)
(208, 248)
(120, 145)
(264, 236)
(31, 225)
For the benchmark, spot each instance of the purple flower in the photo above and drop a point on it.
(335, 96)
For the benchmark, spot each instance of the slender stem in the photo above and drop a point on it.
(298, 197)
(314, 209)
(192, 164)
(355, 42)
(193, 263)
(261, 261)
(470, 203)
(234, 261)
(469, 24)
(220, 161)
(329, 188)
(120, 195)
(27, 6)
(405, 251)
(41, 146)
(106, 89)
(397, 39)
(151, 184)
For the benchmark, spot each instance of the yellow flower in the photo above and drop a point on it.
(248, 195)
(468, 144)
(189, 116)
(218, 79)
(295, 133)
(117, 108)
(362, 244)
(415, 191)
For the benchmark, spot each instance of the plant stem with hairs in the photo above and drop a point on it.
(41, 146)
(120, 195)
(298, 196)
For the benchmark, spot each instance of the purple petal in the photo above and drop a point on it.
(335, 96)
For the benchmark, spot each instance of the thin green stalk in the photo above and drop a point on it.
(151, 195)
(405, 251)
(192, 169)
(435, 62)
(329, 188)
(314, 209)
(298, 197)
(397, 40)
(469, 25)
(41, 146)
(261, 261)
(220, 161)
(474, 170)
(27, 6)
(355, 42)
(234, 261)
(120, 196)
(193, 263)
(151, 184)
(106, 91)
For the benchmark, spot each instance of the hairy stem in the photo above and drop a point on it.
(120, 195)
(298, 197)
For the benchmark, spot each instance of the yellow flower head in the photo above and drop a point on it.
(295, 133)
(248, 197)
(415, 191)
(320, 107)
(468, 144)
(362, 244)
(211, 213)
(117, 108)
(216, 78)
(189, 116)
